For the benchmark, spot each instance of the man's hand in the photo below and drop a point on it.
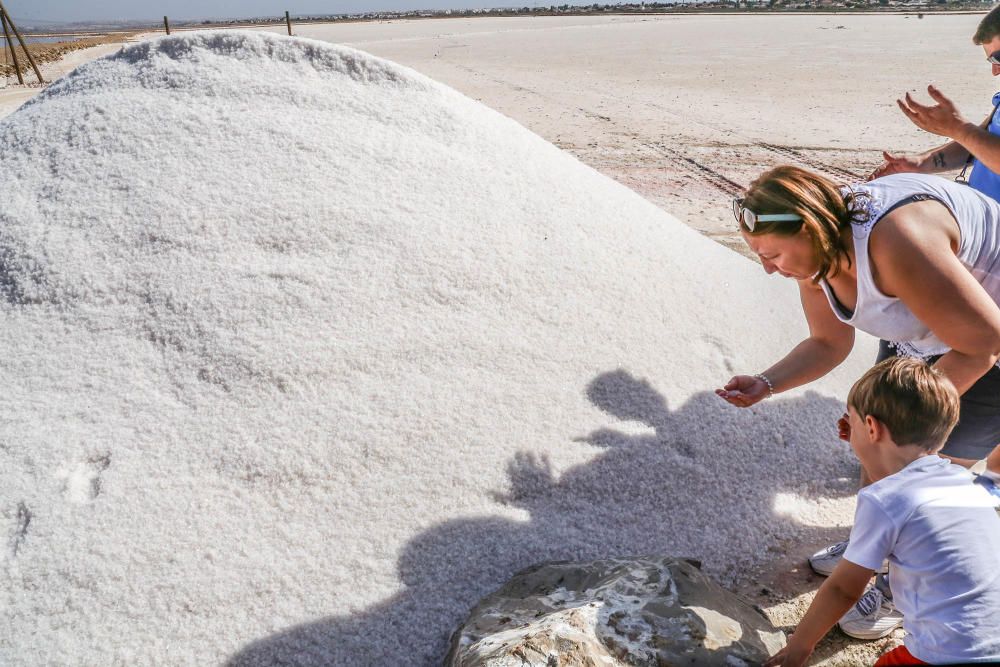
(790, 656)
(894, 164)
(942, 118)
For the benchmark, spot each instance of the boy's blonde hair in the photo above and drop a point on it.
(916, 402)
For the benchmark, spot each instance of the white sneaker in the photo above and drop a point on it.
(823, 561)
(872, 617)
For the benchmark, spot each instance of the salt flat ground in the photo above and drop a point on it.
(685, 109)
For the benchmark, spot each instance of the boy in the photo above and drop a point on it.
(938, 529)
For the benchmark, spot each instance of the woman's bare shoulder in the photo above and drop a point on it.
(910, 240)
(920, 228)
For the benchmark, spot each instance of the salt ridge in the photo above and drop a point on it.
(306, 352)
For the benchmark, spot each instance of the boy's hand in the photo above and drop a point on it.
(790, 656)
(844, 430)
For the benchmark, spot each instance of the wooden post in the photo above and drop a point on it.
(288, 22)
(23, 45)
(10, 45)
(166, 24)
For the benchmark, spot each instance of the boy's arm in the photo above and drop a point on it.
(841, 590)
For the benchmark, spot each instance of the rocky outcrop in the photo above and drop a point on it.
(653, 611)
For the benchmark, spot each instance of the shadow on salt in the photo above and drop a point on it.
(661, 492)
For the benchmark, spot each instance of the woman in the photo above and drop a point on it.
(909, 258)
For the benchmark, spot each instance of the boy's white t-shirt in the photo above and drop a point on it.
(941, 534)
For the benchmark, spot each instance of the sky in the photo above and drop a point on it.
(69, 11)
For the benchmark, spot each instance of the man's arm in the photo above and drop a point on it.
(945, 120)
(841, 590)
(947, 157)
(982, 144)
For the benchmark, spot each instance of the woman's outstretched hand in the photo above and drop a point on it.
(744, 390)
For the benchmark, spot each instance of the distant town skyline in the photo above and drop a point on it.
(74, 11)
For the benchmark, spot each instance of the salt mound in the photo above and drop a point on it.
(304, 353)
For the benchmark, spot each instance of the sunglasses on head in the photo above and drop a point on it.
(750, 219)
(994, 58)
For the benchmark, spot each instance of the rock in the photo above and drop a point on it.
(654, 611)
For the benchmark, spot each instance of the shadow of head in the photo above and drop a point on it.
(621, 395)
(698, 482)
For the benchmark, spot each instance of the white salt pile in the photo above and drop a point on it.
(304, 353)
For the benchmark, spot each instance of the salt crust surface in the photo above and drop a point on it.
(305, 353)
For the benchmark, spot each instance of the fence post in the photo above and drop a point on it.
(17, 33)
(288, 22)
(10, 45)
(166, 24)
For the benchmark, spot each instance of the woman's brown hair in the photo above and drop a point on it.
(825, 211)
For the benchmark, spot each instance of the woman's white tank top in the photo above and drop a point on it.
(978, 218)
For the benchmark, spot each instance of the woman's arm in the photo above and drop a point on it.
(828, 344)
(913, 258)
(992, 460)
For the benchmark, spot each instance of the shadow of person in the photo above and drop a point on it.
(697, 482)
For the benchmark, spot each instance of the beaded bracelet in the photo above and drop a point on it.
(770, 386)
